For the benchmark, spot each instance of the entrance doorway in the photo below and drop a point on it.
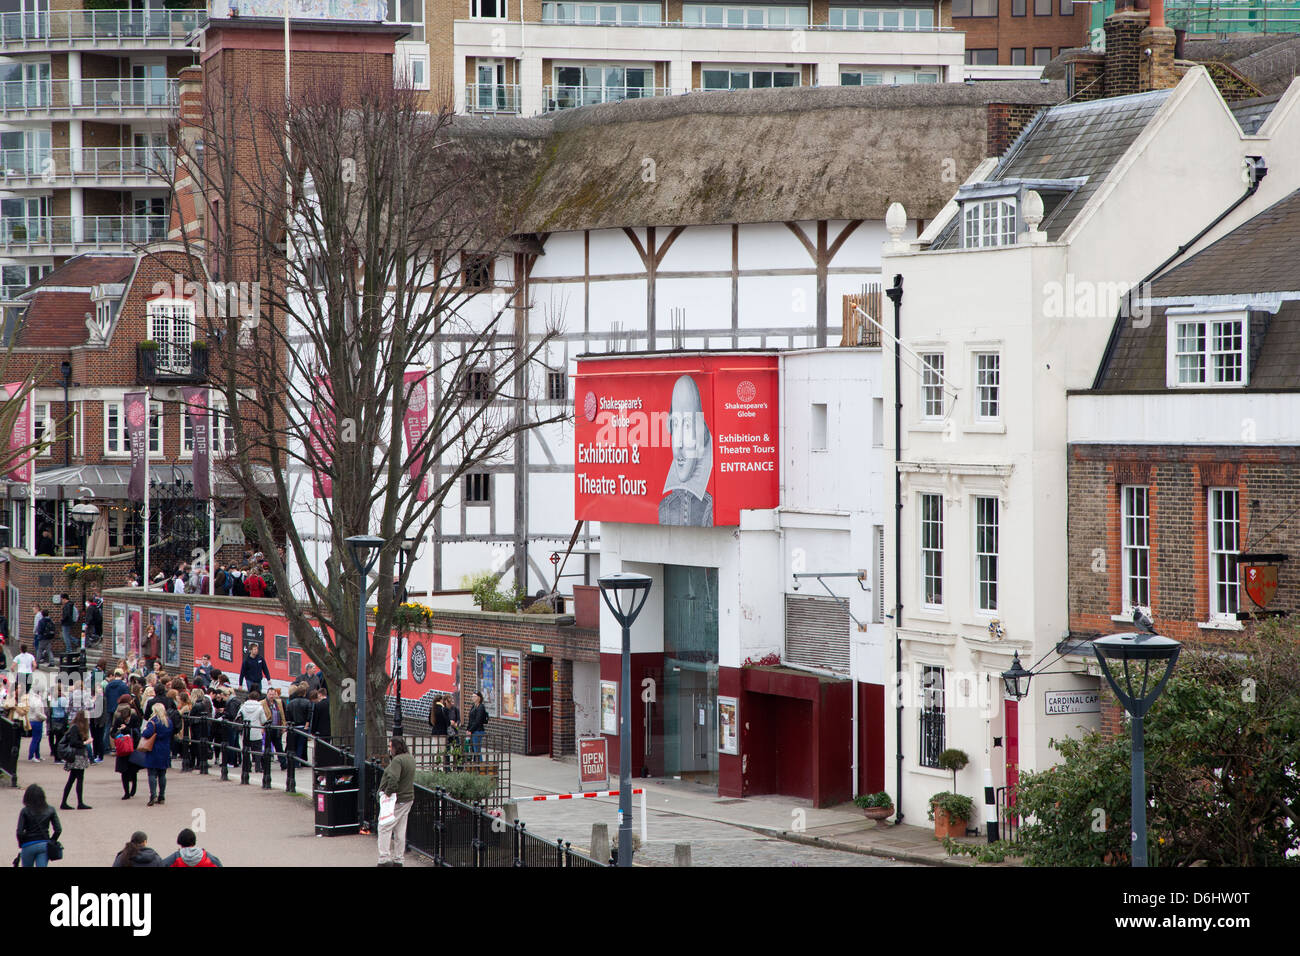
(539, 706)
(690, 697)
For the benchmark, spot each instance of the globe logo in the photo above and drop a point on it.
(589, 406)
(745, 391)
(419, 663)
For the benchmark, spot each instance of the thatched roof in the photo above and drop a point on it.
(753, 156)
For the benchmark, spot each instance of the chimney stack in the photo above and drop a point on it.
(1139, 49)
(1158, 71)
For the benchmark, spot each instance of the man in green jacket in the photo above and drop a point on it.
(399, 778)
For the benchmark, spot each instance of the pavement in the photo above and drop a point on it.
(753, 831)
(247, 826)
(242, 825)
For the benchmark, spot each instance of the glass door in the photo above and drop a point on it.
(491, 85)
(36, 85)
(151, 152)
(149, 82)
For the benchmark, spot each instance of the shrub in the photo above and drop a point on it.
(954, 804)
(881, 799)
(465, 787)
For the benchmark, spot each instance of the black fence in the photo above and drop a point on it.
(446, 830)
(10, 735)
(1008, 818)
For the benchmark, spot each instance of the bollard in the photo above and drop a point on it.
(681, 854)
(245, 756)
(511, 811)
(600, 841)
(990, 808)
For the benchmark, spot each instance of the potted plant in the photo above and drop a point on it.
(409, 616)
(91, 573)
(950, 813)
(875, 806)
(71, 572)
(148, 359)
(199, 359)
(953, 759)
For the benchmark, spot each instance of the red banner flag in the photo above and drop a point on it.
(134, 405)
(321, 453)
(23, 433)
(196, 406)
(416, 422)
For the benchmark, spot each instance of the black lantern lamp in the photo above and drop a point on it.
(625, 594)
(1016, 681)
(1137, 667)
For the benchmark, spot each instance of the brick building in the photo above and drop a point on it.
(94, 329)
(1184, 458)
(1019, 32)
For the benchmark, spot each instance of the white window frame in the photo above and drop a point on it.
(989, 223)
(1135, 548)
(988, 387)
(932, 384)
(987, 563)
(1208, 364)
(879, 18)
(931, 550)
(156, 425)
(733, 68)
(503, 5)
(179, 318)
(1223, 607)
(45, 422)
(739, 16)
(218, 424)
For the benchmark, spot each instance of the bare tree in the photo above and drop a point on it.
(353, 239)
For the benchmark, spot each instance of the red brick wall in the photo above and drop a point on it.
(1005, 122)
(1267, 480)
(1005, 32)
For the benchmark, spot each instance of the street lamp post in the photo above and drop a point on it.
(629, 591)
(406, 553)
(1136, 656)
(360, 547)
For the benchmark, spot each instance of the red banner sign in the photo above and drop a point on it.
(593, 763)
(196, 406)
(416, 424)
(23, 434)
(136, 407)
(321, 439)
(680, 440)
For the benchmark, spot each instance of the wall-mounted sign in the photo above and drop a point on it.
(1071, 702)
(681, 440)
(728, 725)
(487, 680)
(511, 672)
(608, 707)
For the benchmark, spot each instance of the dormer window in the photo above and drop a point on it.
(989, 222)
(1206, 351)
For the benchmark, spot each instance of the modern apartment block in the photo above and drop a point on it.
(86, 100)
(536, 56)
(1019, 33)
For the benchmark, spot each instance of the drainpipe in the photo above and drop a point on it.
(1257, 169)
(895, 294)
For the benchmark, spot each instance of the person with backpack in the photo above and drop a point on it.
(68, 620)
(126, 734)
(189, 854)
(58, 722)
(45, 638)
(255, 584)
(94, 621)
(72, 749)
(38, 827)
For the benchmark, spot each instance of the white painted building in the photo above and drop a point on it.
(726, 597)
(1009, 300)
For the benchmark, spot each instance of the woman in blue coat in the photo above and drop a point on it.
(158, 759)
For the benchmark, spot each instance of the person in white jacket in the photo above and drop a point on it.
(252, 712)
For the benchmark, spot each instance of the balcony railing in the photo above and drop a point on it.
(568, 97)
(98, 27)
(681, 24)
(490, 98)
(100, 96)
(1220, 16)
(91, 231)
(170, 361)
(95, 163)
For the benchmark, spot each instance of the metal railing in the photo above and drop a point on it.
(450, 832)
(120, 95)
(680, 24)
(569, 97)
(82, 230)
(491, 98)
(93, 163)
(1008, 818)
(52, 27)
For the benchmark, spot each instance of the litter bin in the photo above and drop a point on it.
(335, 792)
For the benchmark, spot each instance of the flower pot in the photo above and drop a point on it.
(878, 813)
(945, 826)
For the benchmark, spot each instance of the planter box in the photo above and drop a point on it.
(944, 826)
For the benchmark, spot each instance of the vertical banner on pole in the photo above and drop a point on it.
(196, 406)
(416, 424)
(321, 453)
(137, 419)
(22, 433)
